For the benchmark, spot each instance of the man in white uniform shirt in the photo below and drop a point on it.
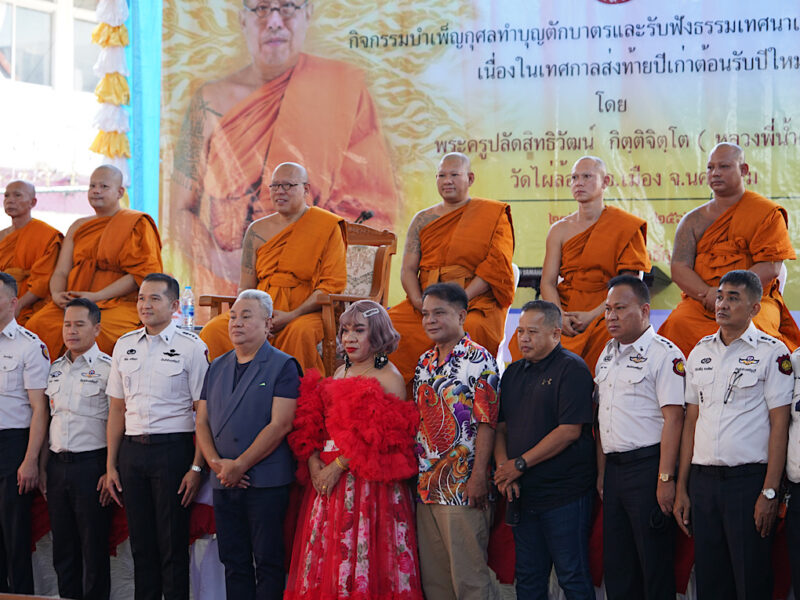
(733, 449)
(156, 376)
(23, 424)
(75, 468)
(639, 379)
(793, 473)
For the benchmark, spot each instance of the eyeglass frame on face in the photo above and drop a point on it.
(262, 11)
(273, 187)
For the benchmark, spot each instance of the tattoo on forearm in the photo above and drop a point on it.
(189, 150)
(413, 244)
(252, 241)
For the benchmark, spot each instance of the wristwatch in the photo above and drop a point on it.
(769, 493)
(197, 468)
(520, 464)
(665, 477)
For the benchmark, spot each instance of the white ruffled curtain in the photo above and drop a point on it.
(112, 91)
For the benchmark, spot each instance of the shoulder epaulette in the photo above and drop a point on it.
(135, 331)
(28, 334)
(104, 357)
(767, 338)
(189, 334)
(664, 341)
(707, 338)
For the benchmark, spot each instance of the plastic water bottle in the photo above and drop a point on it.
(187, 308)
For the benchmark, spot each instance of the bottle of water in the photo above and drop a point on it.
(187, 308)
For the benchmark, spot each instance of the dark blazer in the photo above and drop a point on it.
(237, 416)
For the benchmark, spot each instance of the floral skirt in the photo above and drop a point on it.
(358, 544)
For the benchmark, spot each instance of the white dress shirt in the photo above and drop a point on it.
(159, 377)
(78, 401)
(24, 364)
(735, 387)
(634, 382)
(793, 453)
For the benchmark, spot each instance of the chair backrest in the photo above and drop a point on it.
(369, 254)
(360, 269)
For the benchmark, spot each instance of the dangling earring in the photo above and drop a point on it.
(380, 360)
(347, 362)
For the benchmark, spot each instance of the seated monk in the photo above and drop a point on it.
(28, 249)
(586, 249)
(284, 105)
(295, 255)
(737, 229)
(466, 240)
(104, 258)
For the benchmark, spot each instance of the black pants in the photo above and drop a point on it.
(793, 536)
(250, 530)
(732, 560)
(16, 569)
(638, 539)
(151, 474)
(79, 524)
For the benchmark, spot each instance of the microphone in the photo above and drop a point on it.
(365, 215)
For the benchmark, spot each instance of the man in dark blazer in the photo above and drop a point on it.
(245, 410)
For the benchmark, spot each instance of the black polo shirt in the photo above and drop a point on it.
(535, 398)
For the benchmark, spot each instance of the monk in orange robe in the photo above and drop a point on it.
(28, 249)
(295, 255)
(737, 229)
(285, 106)
(466, 240)
(104, 258)
(586, 249)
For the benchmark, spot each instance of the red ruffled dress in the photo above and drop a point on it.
(360, 543)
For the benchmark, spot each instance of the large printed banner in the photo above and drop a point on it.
(381, 90)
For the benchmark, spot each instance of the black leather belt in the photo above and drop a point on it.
(621, 458)
(70, 457)
(722, 472)
(159, 438)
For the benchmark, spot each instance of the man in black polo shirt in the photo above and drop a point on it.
(545, 456)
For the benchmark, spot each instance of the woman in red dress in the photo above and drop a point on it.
(354, 438)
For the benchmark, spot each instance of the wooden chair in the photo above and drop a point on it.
(369, 259)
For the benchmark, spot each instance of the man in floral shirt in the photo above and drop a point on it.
(456, 389)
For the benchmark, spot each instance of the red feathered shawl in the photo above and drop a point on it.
(373, 429)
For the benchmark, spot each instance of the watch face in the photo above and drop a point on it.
(520, 464)
(769, 493)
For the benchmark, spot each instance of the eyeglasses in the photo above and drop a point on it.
(734, 380)
(284, 186)
(286, 9)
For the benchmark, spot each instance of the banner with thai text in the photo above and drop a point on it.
(381, 91)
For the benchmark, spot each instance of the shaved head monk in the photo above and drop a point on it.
(469, 241)
(283, 106)
(586, 249)
(28, 249)
(104, 258)
(295, 254)
(737, 229)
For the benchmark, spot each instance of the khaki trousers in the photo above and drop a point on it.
(452, 553)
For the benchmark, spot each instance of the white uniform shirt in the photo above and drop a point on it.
(24, 364)
(735, 387)
(78, 401)
(793, 453)
(633, 382)
(159, 377)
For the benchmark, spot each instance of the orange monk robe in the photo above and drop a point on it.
(29, 255)
(105, 249)
(475, 240)
(615, 242)
(752, 230)
(307, 255)
(319, 114)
